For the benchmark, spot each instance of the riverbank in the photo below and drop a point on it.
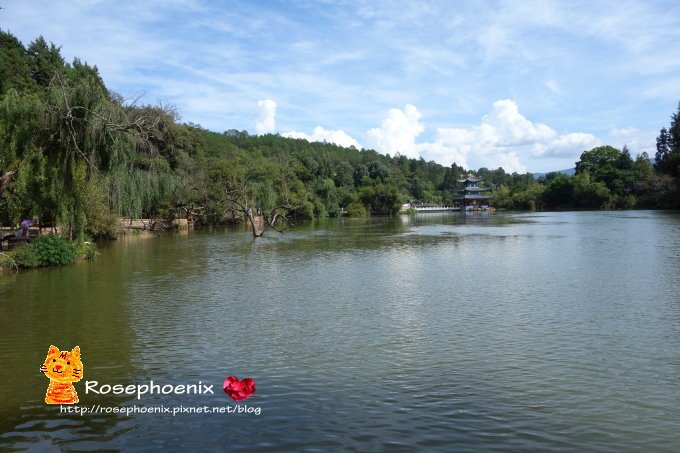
(46, 250)
(15, 254)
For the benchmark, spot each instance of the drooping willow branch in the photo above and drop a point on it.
(109, 119)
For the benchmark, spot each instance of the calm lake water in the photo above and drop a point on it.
(495, 332)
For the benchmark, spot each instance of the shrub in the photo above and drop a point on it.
(356, 209)
(48, 250)
(305, 211)
(28, 257)
(7, 261)
(103, 227)
(87, 250)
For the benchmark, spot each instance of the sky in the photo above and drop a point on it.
(527, 86)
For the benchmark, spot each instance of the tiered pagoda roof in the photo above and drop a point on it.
(471, 191)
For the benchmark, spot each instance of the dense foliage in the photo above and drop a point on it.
(47, 250)
(75, 154)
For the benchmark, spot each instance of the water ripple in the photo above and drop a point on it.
(499, 332)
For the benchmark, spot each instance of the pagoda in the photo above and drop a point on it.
(471, 197)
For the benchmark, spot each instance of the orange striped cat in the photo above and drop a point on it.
(63, 368)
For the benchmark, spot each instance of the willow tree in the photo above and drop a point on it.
(136, 193)
(64, 150)
(90, 137)
(23, 166)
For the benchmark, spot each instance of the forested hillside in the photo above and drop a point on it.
(76, 154)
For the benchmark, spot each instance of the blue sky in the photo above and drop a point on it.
(523, 85)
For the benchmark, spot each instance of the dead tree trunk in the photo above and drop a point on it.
(256, 223)
(238, 197)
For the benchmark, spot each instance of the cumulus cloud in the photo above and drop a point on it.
(450, 145)
(397, 132)
(266, 120)
(507, 127)
(504, 138)
(477, 146)
(565, 145)
(339, 137)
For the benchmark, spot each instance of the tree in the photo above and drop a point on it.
(244, 199)
(383, 199)
(329, 196)
(529, 197)
(643, 168)
(378, 171)
(559, 192)
(421, 190)
(668, 147)
(597, 159)
(589, 193)
(664, 191)
(343, 175)
(674, 132)
(502, 196)
(611, 167)
(360, 172)
(72, 149)
(45, 61)
(663, 151)
(625, 162)
(14, 69)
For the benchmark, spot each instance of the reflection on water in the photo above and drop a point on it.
(441, 331)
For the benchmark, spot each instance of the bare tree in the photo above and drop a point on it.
(277, 218)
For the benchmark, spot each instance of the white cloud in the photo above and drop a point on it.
(511, 128)
(623, 132)
(636, 140)
(339, 137)
(504, 138)
(565, 145)
(345, 58)
(266, 121)
(451, 145)
(397, 132)
(472, 148)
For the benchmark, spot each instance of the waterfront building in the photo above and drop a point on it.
(472, 197)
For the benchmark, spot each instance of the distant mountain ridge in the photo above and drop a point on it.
(568, 171)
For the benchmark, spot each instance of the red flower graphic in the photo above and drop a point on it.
(239, 390)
